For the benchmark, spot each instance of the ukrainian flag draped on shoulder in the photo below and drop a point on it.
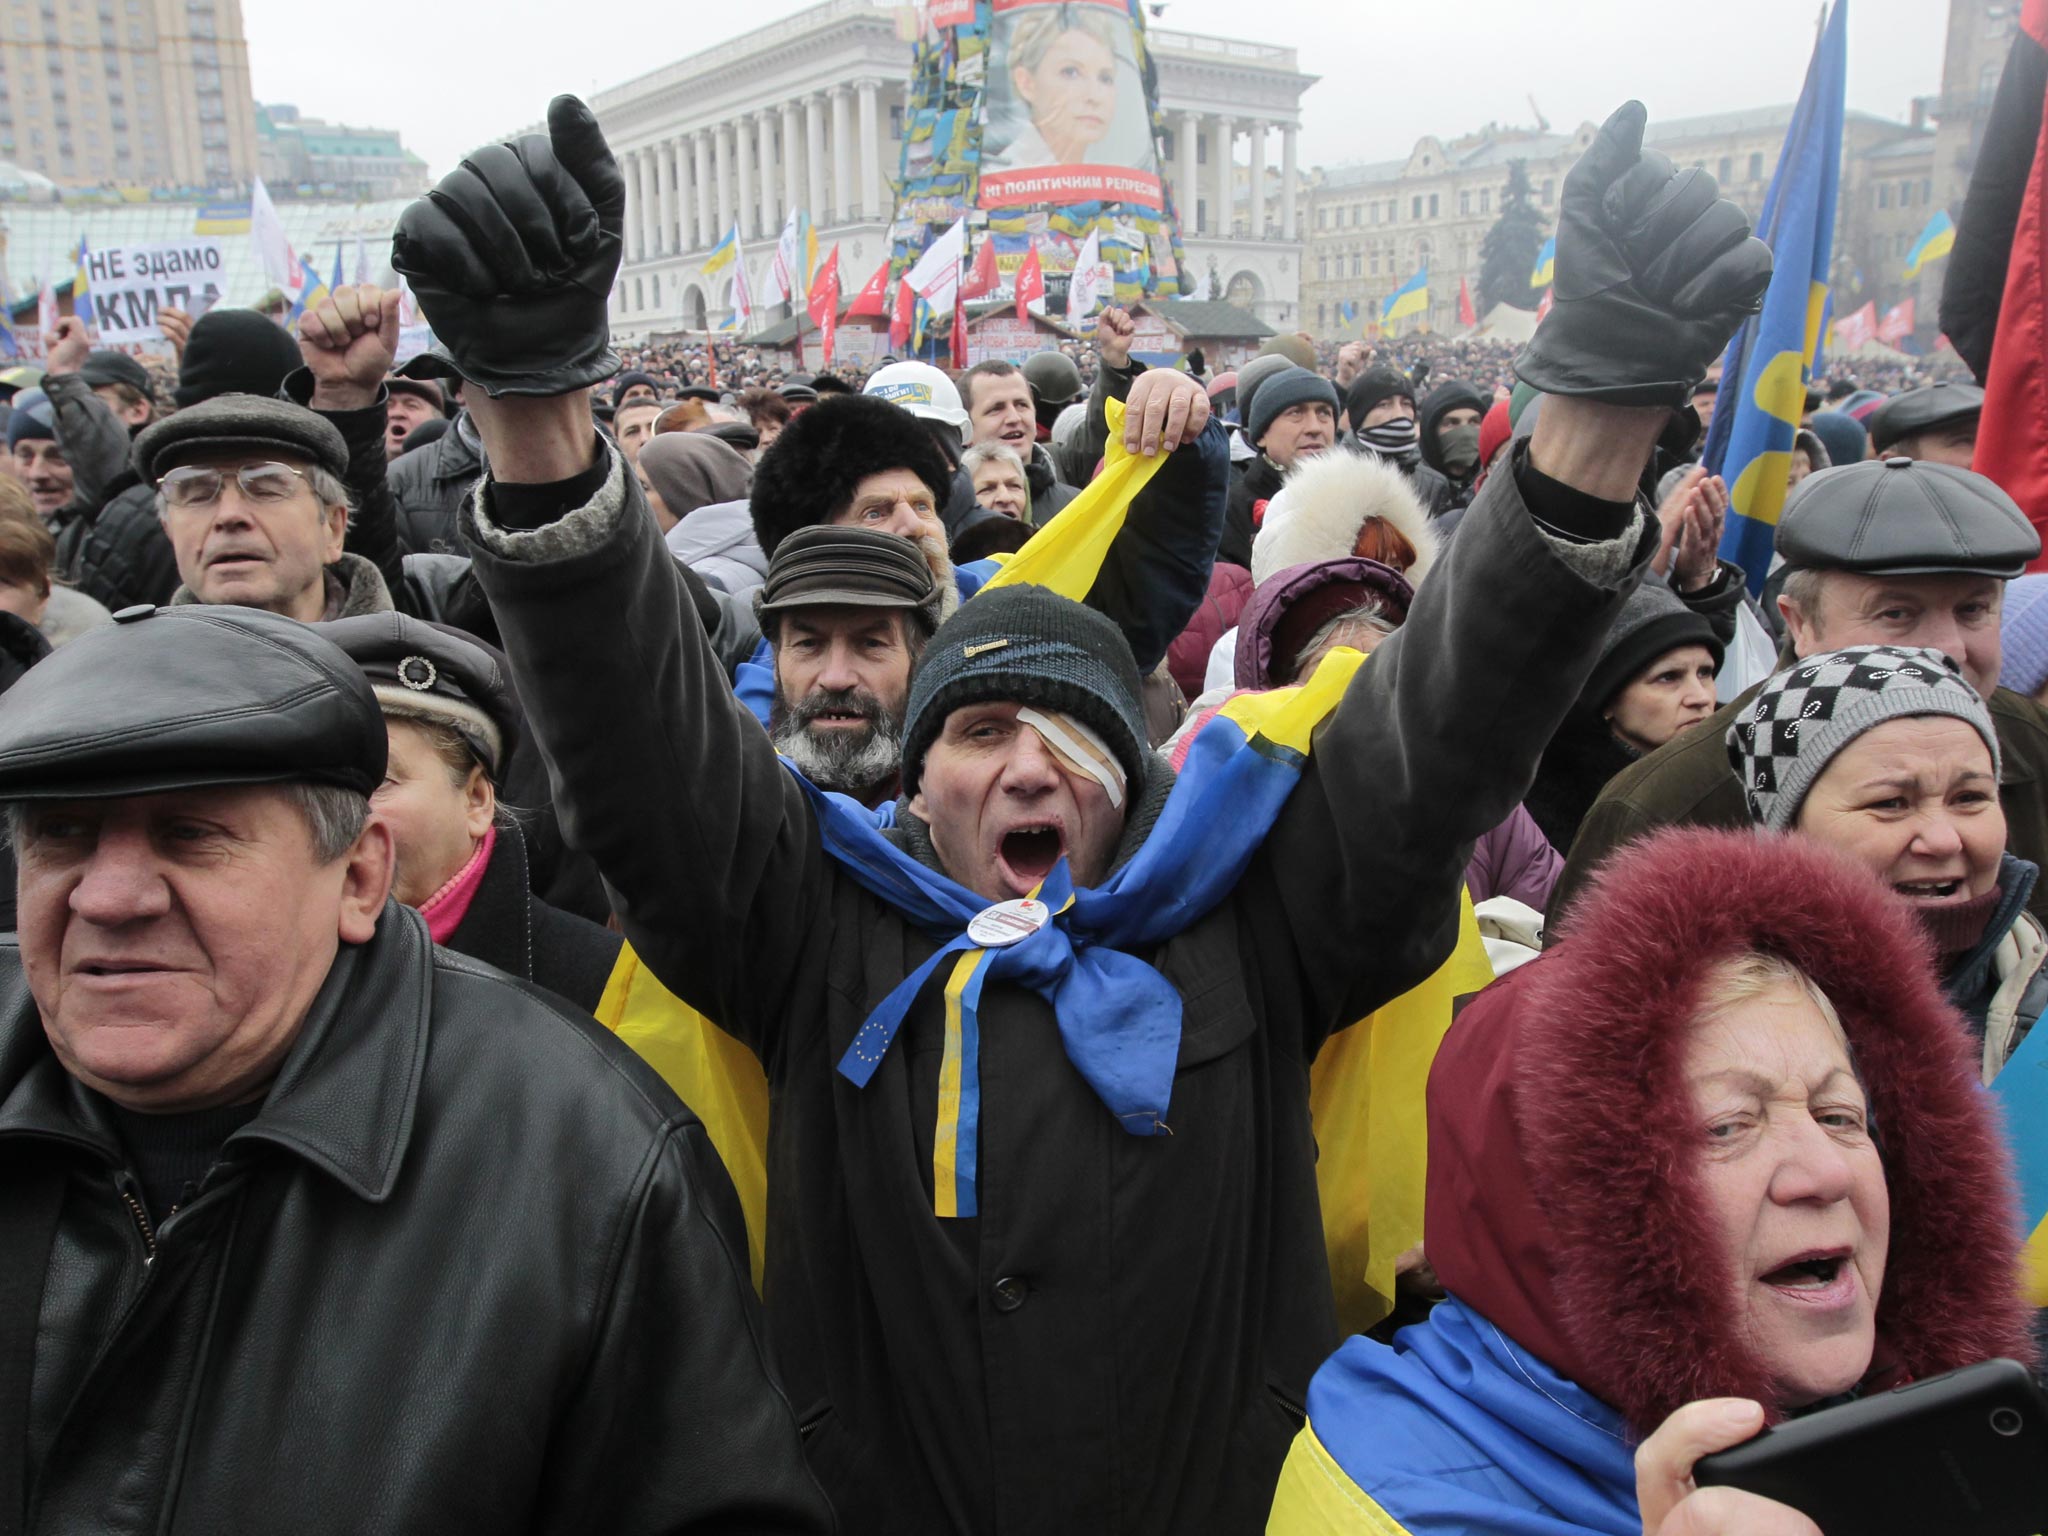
(1768, 364)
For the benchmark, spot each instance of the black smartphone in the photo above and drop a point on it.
(1962, 1452)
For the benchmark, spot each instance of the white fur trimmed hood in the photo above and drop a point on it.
(1318, 512)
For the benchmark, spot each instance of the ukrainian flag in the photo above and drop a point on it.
(81, 300)
(724, 253)
(1411, 298)
(1546, 265)
(1935, 242)
(1771, 358)
(311, 289)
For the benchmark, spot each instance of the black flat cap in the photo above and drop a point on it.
(1903, 517)
(235, 424)
(109, 367)
(185, 698)
(1922, 410)
(702, 392)
(829, 566)
(418, 669)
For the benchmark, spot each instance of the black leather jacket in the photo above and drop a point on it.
(472, 1267)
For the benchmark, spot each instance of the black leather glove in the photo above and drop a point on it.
(513, 255)
(1654, 272)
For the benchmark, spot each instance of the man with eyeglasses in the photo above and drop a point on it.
(250, 492)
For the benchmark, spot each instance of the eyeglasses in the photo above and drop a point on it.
(195, 485)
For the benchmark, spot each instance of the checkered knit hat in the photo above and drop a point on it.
(1808, 713)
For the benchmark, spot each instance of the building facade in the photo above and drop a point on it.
(113, 93)
(294, 151)
(807, 113)
(1373, 226)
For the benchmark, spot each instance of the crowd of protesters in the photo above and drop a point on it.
(637, 939)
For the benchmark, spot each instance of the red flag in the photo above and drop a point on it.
(982, 280)
(899, 322)
(872, 300)
(2012, 434)
(1466, 314)
(1030, 284)
(956, 340)
(822, 303)
(1897, 323)
(1856, 328)
(1543, 307)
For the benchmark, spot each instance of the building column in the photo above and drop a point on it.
(743, 156)
(1220, 140)
(1289, 224)
(1187, 195)
(700, 149)
(792, 162)
(814, 156)
(650, 204)
(844, 176)
(631, 249)
(723, 145)
(1257, 226)
(870, 152)
(665, 172)
(764, 135)
(679, 146)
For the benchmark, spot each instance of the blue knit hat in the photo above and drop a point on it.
(2023, 635)
(33, 417)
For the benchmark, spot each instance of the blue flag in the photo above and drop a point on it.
(1769, 362)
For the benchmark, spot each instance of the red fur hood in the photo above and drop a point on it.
(1560, 1198)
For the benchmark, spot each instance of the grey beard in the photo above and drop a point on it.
(849, 762)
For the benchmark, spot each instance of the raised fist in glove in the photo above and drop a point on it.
(512, 259)
(1654, 272)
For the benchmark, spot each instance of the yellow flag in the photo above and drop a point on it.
(1067, 553)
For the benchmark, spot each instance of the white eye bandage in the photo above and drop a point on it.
(1079, 749)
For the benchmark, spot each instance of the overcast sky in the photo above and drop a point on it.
(451, 76)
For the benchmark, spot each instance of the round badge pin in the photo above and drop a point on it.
(1008, 922)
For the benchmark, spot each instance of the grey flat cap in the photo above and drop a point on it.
(836, 567)
(235, 423)
(186, 698)
(1922, 410)
(1903, 517)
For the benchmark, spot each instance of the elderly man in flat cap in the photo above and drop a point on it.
(1937, 423)
(846, 613)
(1891, 551)
(307, 1225)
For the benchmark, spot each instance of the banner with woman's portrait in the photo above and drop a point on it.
(1065, 114)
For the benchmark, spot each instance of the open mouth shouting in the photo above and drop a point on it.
(1027, 854)
(1823, 1278)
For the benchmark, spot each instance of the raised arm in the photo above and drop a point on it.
(89, 435)
(1440, 732)
(658, 773)
(347, 342)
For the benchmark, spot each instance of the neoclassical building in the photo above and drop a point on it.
(807, 113)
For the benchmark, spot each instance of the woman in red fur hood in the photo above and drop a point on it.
(1651, 1184)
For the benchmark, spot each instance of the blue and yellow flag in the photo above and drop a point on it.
(311, 289)
(724, 253)
(1546, 264)
(81, 297)
(1935, 242)
(1765, 371)
(1411, 298)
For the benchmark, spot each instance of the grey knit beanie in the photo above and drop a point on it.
(1288, 387)
(1028, 645)
(1808, 713)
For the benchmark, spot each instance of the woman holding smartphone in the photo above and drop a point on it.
(1717, 1160)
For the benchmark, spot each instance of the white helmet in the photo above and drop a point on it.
(921, 390)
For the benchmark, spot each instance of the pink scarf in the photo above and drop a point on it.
(446, 908)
